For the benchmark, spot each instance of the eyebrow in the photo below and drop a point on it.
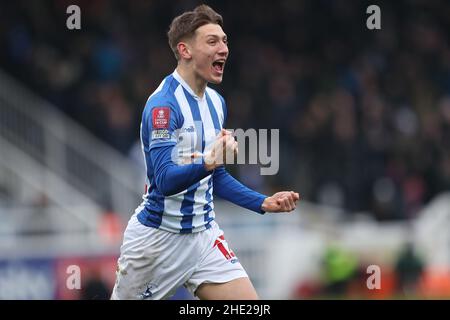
(216, 36)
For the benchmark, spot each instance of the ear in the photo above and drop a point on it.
(184, 50)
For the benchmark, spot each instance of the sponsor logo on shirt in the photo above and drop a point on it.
(160, 134)
(188, 129)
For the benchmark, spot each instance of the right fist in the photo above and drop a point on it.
(223, 151)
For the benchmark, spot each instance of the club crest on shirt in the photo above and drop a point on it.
(150, 289)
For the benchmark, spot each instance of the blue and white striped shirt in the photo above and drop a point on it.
(179, 195)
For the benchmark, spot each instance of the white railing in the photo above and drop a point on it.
(430, 232)
(37, 179)
(67, 149)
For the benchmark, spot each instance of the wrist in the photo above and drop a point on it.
(264, 205)
(208, 164)
(208, 167)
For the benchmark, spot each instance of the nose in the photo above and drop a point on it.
(223, 50)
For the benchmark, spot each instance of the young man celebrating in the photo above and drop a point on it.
(172, 238)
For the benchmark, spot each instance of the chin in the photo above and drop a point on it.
(215, 80)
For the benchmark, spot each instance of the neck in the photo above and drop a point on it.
(197, 84)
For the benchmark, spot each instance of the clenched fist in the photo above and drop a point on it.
(284, 201)
(223, 151)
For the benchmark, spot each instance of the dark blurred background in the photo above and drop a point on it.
(364, 115)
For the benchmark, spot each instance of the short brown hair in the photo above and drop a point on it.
(184, 25)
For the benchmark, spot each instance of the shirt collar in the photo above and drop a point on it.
(177, 76)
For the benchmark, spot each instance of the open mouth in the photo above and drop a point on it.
(218, 65)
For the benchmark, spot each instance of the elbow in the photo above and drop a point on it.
(166, 183)
(165, 189)
(168, 193)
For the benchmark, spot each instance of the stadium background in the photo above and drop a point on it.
(364, 119)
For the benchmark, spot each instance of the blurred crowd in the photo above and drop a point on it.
(345, 274)
(364, 115)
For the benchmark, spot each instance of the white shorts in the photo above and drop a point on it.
(154, 263)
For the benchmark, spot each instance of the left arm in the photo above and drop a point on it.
(228, 188)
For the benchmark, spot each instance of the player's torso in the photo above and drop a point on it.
(192, 209)
(198, 132)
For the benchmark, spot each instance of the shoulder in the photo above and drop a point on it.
(163, 97)
(164, 94)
